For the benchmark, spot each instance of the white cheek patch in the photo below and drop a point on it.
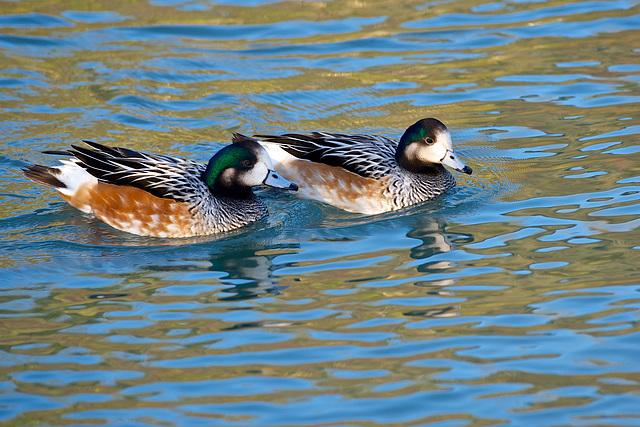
(227, 176)
(411, 152)
(436, 152)
(424, 153)
(256, 175)
(433, 153)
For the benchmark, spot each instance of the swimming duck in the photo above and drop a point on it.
(367, 173)
(162, 196)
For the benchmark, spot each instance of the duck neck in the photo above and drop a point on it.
(418, 167)
(232, 192)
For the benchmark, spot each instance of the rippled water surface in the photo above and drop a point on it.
(513, 300)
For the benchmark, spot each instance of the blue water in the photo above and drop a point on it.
(513, 300)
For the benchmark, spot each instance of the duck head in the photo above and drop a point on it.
(426, 144)
(238, 167)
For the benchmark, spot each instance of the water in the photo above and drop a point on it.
(511, 301)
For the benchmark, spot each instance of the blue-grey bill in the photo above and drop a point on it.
(276, 181)
(452, 160)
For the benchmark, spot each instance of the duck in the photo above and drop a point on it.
(162, 196)
(368, 174)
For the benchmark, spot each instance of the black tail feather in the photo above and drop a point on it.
(93, 162)
(116, 152)
(43, 175)
(58, 152)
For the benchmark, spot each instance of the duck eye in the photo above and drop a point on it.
(247, 163)
(429, 141)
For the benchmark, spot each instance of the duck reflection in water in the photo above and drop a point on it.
(436, 240)
(250, 273)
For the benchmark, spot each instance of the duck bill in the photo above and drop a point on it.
(452, 160)
(276, 181)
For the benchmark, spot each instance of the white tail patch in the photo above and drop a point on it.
(74, 177)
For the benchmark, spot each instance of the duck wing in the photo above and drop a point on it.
(369, 156)
(161, 175)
